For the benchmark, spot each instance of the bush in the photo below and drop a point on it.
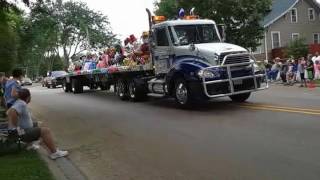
(297, 48)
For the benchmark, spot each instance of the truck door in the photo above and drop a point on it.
(162, 51)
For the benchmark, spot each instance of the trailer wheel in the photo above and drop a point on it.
(77, 86)
(240, 97)
(182, 93)
(121, 89)
(66, 86)
(105, 87)
(136, 93)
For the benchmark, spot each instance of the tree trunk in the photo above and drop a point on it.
(66, 57)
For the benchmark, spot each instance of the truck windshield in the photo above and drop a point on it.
(187, 34)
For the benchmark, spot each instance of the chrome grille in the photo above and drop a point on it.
(234, 58)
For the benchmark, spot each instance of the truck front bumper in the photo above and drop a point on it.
(230, 85)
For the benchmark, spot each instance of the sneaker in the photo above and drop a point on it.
(58, 154)
(33, 147)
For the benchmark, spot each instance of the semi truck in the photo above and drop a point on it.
(189, 61)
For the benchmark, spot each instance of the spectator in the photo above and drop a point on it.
(301, 70)
(316, 57)
(317, 70)
(290, 73)
(272, 74)
(20, 120)
(2, 84)
(12, 87)
(310, 70)
(283, 71)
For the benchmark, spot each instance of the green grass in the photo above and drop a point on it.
(318, 81)
(23, 165)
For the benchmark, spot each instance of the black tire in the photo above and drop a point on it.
(240, 97)
(136, 92)
(77, 87)
(67, 87)
(182, 93)
(105, 87)
(121, 89)
(93, 86)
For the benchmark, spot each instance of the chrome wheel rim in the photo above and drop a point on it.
(120, 89)
(132, 90)
(182, 93)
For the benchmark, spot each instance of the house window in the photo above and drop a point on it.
(311, 14)
(294, 15)
(295, 36)
(275, 38)
(316, 38)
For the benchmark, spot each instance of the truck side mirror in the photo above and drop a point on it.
(222, 32)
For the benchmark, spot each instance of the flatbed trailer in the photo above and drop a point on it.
(129, 82)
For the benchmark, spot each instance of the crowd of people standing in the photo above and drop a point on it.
(304, 70)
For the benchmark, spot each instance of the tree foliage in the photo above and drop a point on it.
(10, 20)
(297, 48)
(241, 17)
(60, 29)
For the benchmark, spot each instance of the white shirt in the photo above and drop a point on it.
(315, 58)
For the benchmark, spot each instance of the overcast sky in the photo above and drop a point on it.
(126, 16)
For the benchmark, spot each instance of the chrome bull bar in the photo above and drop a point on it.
(231, 80)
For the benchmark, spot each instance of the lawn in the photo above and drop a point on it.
(26, 165)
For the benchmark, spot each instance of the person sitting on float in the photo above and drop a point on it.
(143, 53)
(119, 54)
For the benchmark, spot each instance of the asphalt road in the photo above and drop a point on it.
(273, 136)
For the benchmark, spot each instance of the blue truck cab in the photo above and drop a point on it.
(192, 62)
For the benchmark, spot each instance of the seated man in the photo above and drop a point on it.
(20, 119)
(143, 53)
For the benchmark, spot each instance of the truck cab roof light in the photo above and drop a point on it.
(158, 19)
(191, 17)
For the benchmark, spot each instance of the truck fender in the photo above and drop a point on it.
(187, 68)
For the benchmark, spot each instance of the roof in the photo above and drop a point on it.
(184, 22)
(280, 8)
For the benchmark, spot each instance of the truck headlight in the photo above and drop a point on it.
(206, 74)
(257, 68)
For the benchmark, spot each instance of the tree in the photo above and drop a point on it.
(297, 48)
(241, 17)
(58, 29)
(9, 23)
(81, 27)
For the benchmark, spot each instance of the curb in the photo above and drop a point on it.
(62, 168)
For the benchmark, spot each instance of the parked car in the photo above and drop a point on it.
(55, 79)
(26, 82)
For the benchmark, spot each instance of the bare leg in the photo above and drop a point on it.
(48, 140)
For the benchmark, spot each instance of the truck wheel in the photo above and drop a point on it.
(240, 97)
(121, 89)
(105, 87)
(77, 86)
(93, 86)
(66, 86)
(182, 93)
(135, 93)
